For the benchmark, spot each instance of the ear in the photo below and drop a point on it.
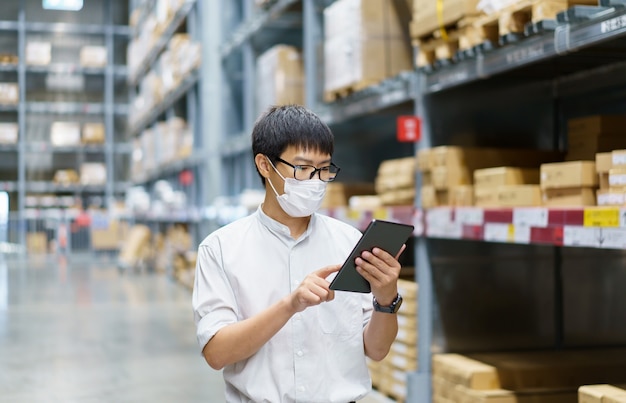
(262, 165)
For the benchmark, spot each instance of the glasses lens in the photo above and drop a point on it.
(329, 173)
(303, 172)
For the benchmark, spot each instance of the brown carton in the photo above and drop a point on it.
(485, 197)
(447, 177)
(519, 196)
(461, 195)
(604, 180)
(338, 194)
(432, 197)
(584, 147)
(597, 125)
(601, 394)
(617, 177)
(618, 158)
(93, 56)
(9, 93)
(569, 197)
(611, 197)
(427, 19)
(478, 158)
(494, 177)
(36, 242)
(93, 133)
(573, 174)
(604, 162)
(423, 159)
(280, 77)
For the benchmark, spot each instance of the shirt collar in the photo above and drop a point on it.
(281, 229)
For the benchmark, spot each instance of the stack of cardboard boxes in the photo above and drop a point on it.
(280, 77)
(389, 376)
(569, 184)
(8, 133)
(365, 43)
(611, 168)
(339, 194)
(602, 394)
(395, 181)
(538, 377)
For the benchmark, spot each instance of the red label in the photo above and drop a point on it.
(185, 177)
(409, 129)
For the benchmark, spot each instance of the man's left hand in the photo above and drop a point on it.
(381, 270)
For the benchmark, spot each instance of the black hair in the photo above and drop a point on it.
(291, 125)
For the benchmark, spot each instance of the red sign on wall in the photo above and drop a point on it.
(409, 129)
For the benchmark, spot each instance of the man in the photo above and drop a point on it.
(262, 304)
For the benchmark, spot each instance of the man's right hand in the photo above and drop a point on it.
(314, 289)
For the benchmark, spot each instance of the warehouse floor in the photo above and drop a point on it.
(81, 331)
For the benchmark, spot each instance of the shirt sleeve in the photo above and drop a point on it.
(214, 303)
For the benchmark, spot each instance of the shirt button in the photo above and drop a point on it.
(300, 353)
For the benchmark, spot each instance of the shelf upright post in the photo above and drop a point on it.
(311, 40)
(244, 177)
(419, 383)
(109, 106)
(195, 193)
(21, 119)
(211, 77)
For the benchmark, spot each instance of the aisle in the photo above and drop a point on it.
(82, 332)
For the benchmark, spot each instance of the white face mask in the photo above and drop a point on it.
(301, 198)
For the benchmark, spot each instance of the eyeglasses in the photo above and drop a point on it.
(306, 172)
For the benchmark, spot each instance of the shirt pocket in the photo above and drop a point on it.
(343, 315)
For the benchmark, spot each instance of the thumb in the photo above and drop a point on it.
(327, 271)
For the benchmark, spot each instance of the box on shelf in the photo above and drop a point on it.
(618, 158)
(477, 158)
(446, 177)
(63, 134)
(617, 177)
(66, 177)
(93, 174)
(431, 197)
(574, 174)
(36, 242)
(499, 176)
(604, 162)
(338, 194)
(569, 197)
(107, 237)
(597, 125)
(461, 196)
(602, 394)
(519, 196)
(38, 53)
(423, 159)
(427, 18)
(365, 203)
(9, 93)
(93, 133)
(394, 175)
(398, 197)
(603, 180)
(611, 197)
(364, 44)
(136, 246)
(485, 197)
(8, 133)
(585, 147)
(93, 56)
(280, 77)
(9, 59)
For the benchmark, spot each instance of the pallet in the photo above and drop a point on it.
(343, 92)
(525, 18)
(435, 50)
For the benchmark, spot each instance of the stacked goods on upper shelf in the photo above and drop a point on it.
(602, 394)
(8, 133)
(93, 56)
(395, 181)
(338, 194)
(611, 168)
(538, 377)
(365, 43)
(64, 134)
(280, 77)
(93, 174)
(569, 184)
(93, 133)
(66, 177)
(8, 59)
(448, 173)
(38, 53)
(590, 135)
(389, 376)
(9, 94)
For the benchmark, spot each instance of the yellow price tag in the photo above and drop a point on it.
(510, 234)
(354, 214)
(601, 217)
(381, 214)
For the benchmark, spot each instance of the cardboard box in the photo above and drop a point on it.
(485, 197)
(572, 197)
(365, 203)
(519, 195)
(604, 162)
(465, 371)
(446, 177)
(398, 166)
(338, 194)
(93, 56)
(494, 177)
(573, 174)
(601, 394)
(8, 133)
(611, 197)
(603, 179)
(423, 159)
(280, 77)
(478, 158)
(38, 53)
(135, 247)
(584, 147)
(461, 195)
(66, 177)
(384, 183)
(93, 174)
(64, 134)
(427, 19)
(106, 237)
(398, 197)
(93, 133)
(617, 177)
(597, 125)
(36, 242)
(618, 158)
(9, 94)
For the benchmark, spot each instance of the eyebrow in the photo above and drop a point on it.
(311, 162)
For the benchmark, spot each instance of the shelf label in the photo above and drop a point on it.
(531, 217)
(496, 232)
(470, 215)
(613, 24)
(438, 216)
(381, 214)
(450, 230)
(602, 217)
(525, 53)
(581, 236)
(612, 238)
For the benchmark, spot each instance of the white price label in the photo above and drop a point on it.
(495, 232)
(622, 218)
(581, 236)
(617, 180)
(530, 217)
(619, 159)
(470, 215)
(449, 230)
(521, 234)
(612, 238)
(438, 216)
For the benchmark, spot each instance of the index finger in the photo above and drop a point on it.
(327, 271)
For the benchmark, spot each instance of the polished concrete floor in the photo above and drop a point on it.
(79, 330)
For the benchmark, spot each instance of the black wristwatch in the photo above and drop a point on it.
(393, 308)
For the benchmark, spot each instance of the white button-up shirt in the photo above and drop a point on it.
(248, 265)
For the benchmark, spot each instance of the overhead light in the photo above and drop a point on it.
(65, 5)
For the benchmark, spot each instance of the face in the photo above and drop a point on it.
(294, 156)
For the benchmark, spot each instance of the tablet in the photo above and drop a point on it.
(386, 235)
